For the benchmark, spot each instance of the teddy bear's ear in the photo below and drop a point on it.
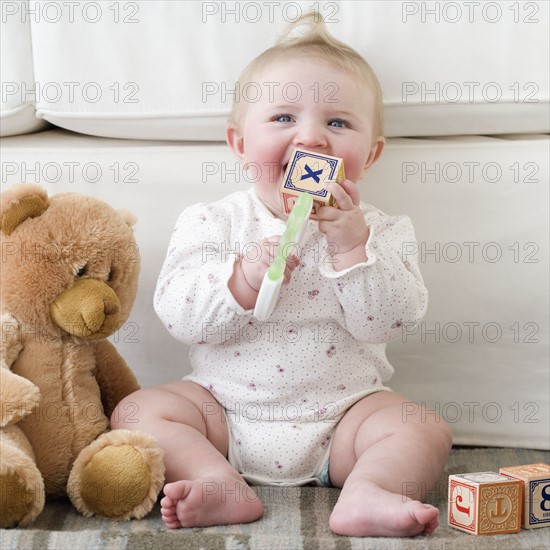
(128, 217)
(19, 203)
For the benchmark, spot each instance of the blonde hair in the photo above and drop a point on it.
(316, 42)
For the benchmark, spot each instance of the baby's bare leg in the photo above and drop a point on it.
(189, 425)
(387, 452)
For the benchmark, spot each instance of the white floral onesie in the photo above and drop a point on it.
(286, 382)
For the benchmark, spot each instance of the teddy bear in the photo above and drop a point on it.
(69, 275)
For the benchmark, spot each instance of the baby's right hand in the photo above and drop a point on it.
(249, 272)
(254, 269)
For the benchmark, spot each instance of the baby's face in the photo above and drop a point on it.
(308, 104)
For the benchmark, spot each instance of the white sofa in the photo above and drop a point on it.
(128, 101)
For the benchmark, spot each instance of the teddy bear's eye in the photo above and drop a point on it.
(81, 272)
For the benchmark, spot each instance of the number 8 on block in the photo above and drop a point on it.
(536, 490)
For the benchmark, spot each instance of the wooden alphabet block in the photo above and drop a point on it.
(536, 490)
(309, 172)
(485, 503)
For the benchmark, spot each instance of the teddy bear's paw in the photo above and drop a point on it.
(118, 476)
(21, 487)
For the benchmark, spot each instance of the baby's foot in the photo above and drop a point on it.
(365, 509)
(201, 503)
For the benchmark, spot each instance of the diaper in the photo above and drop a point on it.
(280, 452)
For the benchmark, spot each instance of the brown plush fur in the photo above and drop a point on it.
(69, 277)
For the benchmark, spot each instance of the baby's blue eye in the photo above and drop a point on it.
(283, 118)
(338, 123)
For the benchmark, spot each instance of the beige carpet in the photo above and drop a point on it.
(295, 518)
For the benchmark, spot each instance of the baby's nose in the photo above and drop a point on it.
(310, 138)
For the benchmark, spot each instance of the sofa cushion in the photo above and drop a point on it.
(17, 109)
(167, 70)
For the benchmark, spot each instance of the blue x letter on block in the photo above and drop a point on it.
(311, 174)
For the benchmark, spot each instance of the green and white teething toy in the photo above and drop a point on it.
(273, 279)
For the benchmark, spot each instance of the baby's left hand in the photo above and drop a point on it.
(344, 227)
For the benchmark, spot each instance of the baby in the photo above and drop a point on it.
(299, 398)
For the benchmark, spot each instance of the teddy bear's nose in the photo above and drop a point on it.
(109, 307)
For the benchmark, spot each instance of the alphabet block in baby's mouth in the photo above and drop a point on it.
(309, 172)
